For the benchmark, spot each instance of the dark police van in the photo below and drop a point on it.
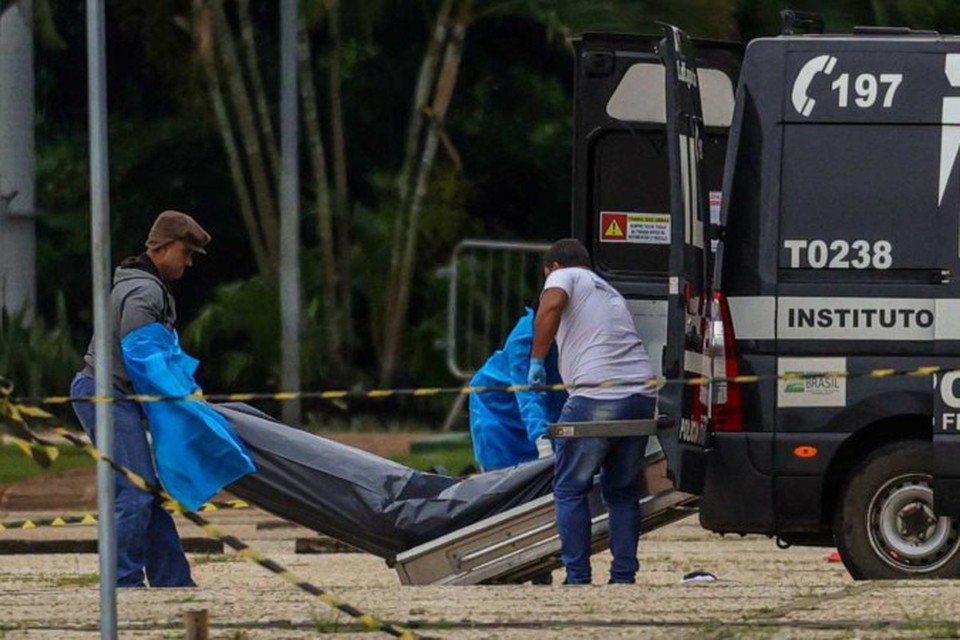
(801, 236)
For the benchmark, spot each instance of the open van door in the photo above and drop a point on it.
(648, 155)
(690, 263)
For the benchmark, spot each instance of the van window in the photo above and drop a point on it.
(641, 96)
(634, 190)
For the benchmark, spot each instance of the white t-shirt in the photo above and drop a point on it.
(597, 338)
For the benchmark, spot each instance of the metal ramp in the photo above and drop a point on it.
(514, 546)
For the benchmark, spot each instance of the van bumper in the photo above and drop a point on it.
(736, 497)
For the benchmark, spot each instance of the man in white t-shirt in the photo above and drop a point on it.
(598, 342)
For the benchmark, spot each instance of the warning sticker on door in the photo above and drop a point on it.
(716, 200)
(638, 228)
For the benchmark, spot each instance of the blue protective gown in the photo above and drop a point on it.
(196, 450)
(504, 426)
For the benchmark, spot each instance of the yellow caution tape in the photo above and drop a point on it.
(13, 417)
(22, 404)
(14, 414)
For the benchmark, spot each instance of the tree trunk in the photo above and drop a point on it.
(421, 95)
(341, 188)
(17, 160)
(203, 34)
(426, 79)
(263, 194)
(253, 69)
(318, 162)
(446, 83)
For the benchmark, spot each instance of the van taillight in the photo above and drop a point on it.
(726, 409)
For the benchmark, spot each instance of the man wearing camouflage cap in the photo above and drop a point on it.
(148, 545)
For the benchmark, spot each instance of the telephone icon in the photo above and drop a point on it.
(801, 101)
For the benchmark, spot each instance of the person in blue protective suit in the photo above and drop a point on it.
(148, 545)
(510, 428)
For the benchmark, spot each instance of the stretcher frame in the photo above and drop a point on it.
(521, 543)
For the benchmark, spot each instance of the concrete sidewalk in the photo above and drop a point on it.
(763, 592)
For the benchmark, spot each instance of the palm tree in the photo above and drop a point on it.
(239, 106)
(434, 92)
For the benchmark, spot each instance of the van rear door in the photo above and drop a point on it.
(645, 166)
(688, 286)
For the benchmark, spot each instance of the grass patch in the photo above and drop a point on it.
(82, 580)
(215, 558)
(339, 625)
(16, 466)
(183, 600)
(453, 459)
(933, 628)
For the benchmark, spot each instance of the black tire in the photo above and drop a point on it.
(884, 525)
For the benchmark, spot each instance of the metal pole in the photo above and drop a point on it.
(100, 257)
(289, 211)
(100, 250)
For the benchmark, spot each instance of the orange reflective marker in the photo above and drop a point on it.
(805, 451)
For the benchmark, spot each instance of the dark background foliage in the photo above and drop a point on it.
(510, 123)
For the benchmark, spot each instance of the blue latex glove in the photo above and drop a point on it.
(537, 374)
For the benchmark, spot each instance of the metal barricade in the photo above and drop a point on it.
(490, 282)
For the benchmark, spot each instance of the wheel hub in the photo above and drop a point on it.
(916, 522)
(904, 530)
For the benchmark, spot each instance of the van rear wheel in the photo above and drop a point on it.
(885, 527)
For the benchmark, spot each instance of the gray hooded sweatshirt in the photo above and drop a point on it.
(139, 297)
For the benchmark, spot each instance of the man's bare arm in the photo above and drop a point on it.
(547, 321)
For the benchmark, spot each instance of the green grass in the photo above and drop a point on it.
(15, 465)
(82, 580)
(933, 628)
(453, 459)
(215, 558)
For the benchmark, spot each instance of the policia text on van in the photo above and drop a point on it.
(807, 222)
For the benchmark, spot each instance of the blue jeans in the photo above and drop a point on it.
(620, 462)
(147, 538)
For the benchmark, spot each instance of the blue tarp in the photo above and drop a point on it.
(197, 451)
(504, 426)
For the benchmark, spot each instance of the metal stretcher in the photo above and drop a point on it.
(518, 544)
(434, 529)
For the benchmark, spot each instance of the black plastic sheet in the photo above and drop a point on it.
(374, 504)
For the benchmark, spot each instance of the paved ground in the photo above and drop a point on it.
(763, 593)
